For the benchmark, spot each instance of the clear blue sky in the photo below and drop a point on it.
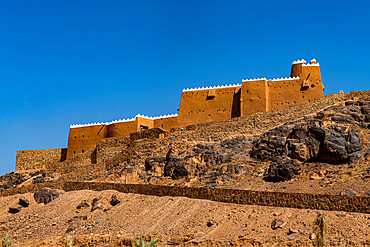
(65, 62)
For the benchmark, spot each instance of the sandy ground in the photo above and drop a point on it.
(175, 221)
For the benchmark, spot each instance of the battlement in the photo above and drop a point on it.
(123, 120)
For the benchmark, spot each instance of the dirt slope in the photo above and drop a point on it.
(175, 221)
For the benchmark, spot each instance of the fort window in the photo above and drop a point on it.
(74, 152)
(143, 127)
(83, 136)
(75, 137)
(83, 151)
(247, 91)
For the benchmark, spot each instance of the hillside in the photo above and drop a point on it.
(318, 148)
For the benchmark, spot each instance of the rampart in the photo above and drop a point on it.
(32, 160)
(262, 198)
(208, 104)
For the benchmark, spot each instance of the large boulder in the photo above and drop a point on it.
(282, 169)
(45, 195)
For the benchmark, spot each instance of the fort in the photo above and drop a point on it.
(197, 106)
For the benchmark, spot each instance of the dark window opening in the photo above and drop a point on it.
(143, 127)
(74, 152)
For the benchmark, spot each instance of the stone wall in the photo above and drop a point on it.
(262, 198)
(29, 160)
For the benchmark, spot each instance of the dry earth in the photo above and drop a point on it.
(175, 221)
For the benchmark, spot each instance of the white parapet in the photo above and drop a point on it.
(211, 87)
(123, 120)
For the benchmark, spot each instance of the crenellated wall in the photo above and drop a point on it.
(208, 105)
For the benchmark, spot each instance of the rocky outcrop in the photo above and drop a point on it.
(45, 195)
(331, 136)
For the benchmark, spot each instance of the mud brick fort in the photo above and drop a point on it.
(197, 106)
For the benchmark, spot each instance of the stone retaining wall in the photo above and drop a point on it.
(29, 160)
(262, 198)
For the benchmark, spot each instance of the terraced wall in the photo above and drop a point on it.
(262, 198)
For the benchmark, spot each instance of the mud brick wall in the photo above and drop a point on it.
(261, 198)
(28, 160)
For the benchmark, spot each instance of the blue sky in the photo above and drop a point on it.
(65, 62)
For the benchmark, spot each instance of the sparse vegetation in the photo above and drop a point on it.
(7, 242)
(319, 230)
(142, 243)
(69, 241)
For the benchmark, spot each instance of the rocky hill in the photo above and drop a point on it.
(322, 147)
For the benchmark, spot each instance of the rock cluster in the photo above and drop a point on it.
(331, 136)
(45, 195)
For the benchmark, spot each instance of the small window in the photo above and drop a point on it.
(74, 152)
(83, 151)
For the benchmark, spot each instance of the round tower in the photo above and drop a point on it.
(297, 68)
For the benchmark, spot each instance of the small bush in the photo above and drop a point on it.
(7, 242)
(142, 243)
(319, 230)
(69, 241)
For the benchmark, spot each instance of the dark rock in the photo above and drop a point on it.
(39, 179)
(114, 200)
(23, 202)
(282, 170)
(14, 210)
(45, 195)
(96, 205)
(173, 167)
(278, 223)
(211, 222)
(150, 162)
(83, 204)
(72, 227)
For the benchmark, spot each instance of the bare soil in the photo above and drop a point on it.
(175, 221)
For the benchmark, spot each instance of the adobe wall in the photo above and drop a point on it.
(308, 87)
(200, 106)
(303, 86)
(29, 160)
(121, 129)
(254, 97)
(360, 204)
(166, 123)
(83, 138)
